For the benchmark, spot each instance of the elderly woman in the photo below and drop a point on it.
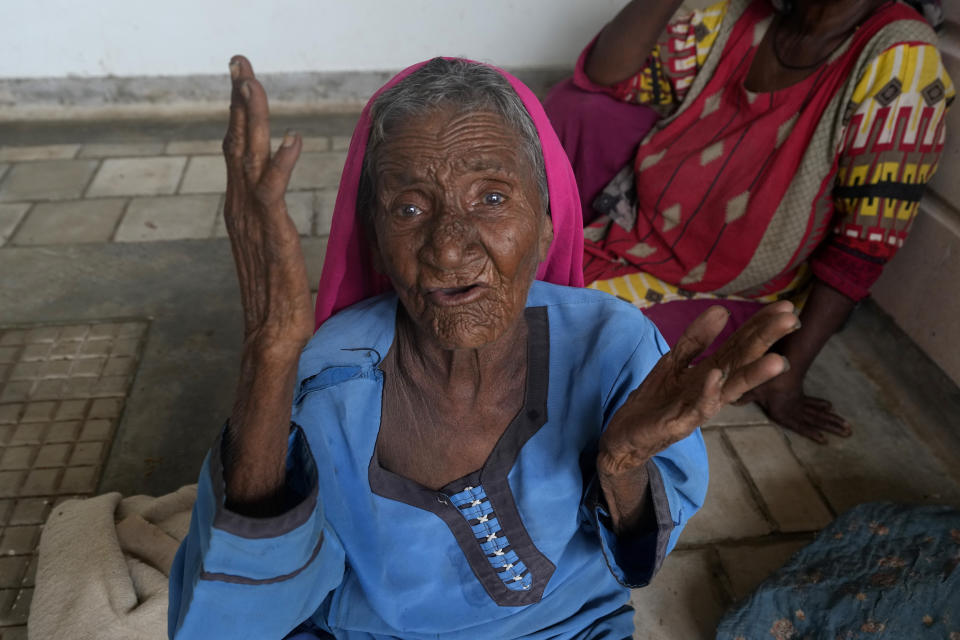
(793, 143)
(473, 452)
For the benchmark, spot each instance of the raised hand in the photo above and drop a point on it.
(266, 246)
(676, 397)
(277, 311)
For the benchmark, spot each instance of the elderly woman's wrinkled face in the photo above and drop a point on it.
(460, 229)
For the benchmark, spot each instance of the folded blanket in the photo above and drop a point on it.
(103, 567)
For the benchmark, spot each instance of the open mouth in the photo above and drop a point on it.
(455, 295)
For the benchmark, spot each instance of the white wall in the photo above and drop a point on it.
(55, 38)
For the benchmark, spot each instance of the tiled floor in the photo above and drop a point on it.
(62, 390)
(122, 221)
(143, 192)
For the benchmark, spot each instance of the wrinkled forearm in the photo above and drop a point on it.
(624, 44)
(627, 497)
(256, 445)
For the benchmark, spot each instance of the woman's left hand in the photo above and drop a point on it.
(676, 397)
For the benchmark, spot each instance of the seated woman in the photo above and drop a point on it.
(794, 141)
(459, 450)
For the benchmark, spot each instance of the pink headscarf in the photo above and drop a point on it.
(348, 275)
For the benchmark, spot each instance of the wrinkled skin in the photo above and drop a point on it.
(460, 229)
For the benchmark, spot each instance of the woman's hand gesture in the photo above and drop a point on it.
(266, 246)
(277, 314)
(676, 397)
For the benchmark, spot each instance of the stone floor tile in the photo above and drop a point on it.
(96, 429)
(70, 222)
(137, 177)
(16, 391)
(6, 510)
(301, 205)
(12, 570)
(53, 455)
(62, 431)
(43, 152)
(730, 510)
(49, 180)
(121, 149)
(30, 511)
(14, 633)
(783, 484)
(173, 218)
(41, 482)
(87, 453)
(8, 355)
(38, 412)
(11, 482)
(748, 414)
(17, 458)
(10, 413)
(6, 433)
(119, 366)
(10, 217)
(316, 143)
(326, 200)
(3, 169)
(340, 143)
(314, 251)
(13, 337)
(317, 170)
(204, 174)
(19, 540)
(106, 408)
(71, 410)
(18, 609)
(30, 577)
(883, 459)
(684, 601)
(77, 480)
(42, 334)
(194, 147)
(748, 565)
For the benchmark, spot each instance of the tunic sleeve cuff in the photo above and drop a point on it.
(634, 560)
(251, 550)
(847, 270)
(300, 492)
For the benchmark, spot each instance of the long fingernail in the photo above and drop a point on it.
(798, 325)
(288, 139)
(234, 69)
(786, 364)
(245, 90)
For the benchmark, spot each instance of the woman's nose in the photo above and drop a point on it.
(452, 241)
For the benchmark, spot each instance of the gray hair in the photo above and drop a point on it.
(468, 87)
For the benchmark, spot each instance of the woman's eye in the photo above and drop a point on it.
(410, 210)
(494, 199)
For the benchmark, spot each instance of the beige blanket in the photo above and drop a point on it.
(103, 567)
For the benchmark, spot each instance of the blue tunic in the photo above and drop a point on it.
(521, 548)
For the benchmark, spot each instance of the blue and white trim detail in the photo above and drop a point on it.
(475, 507)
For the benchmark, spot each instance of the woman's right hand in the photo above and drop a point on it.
(266, 245)
(277, 310)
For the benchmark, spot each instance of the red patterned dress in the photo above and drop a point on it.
(744, 195)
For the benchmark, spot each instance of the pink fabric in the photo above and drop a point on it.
(348, 275)
(672, 318)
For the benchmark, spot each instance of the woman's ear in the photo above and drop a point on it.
(546, 236)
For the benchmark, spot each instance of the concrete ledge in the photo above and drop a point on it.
(33, 99)
(919, 287)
